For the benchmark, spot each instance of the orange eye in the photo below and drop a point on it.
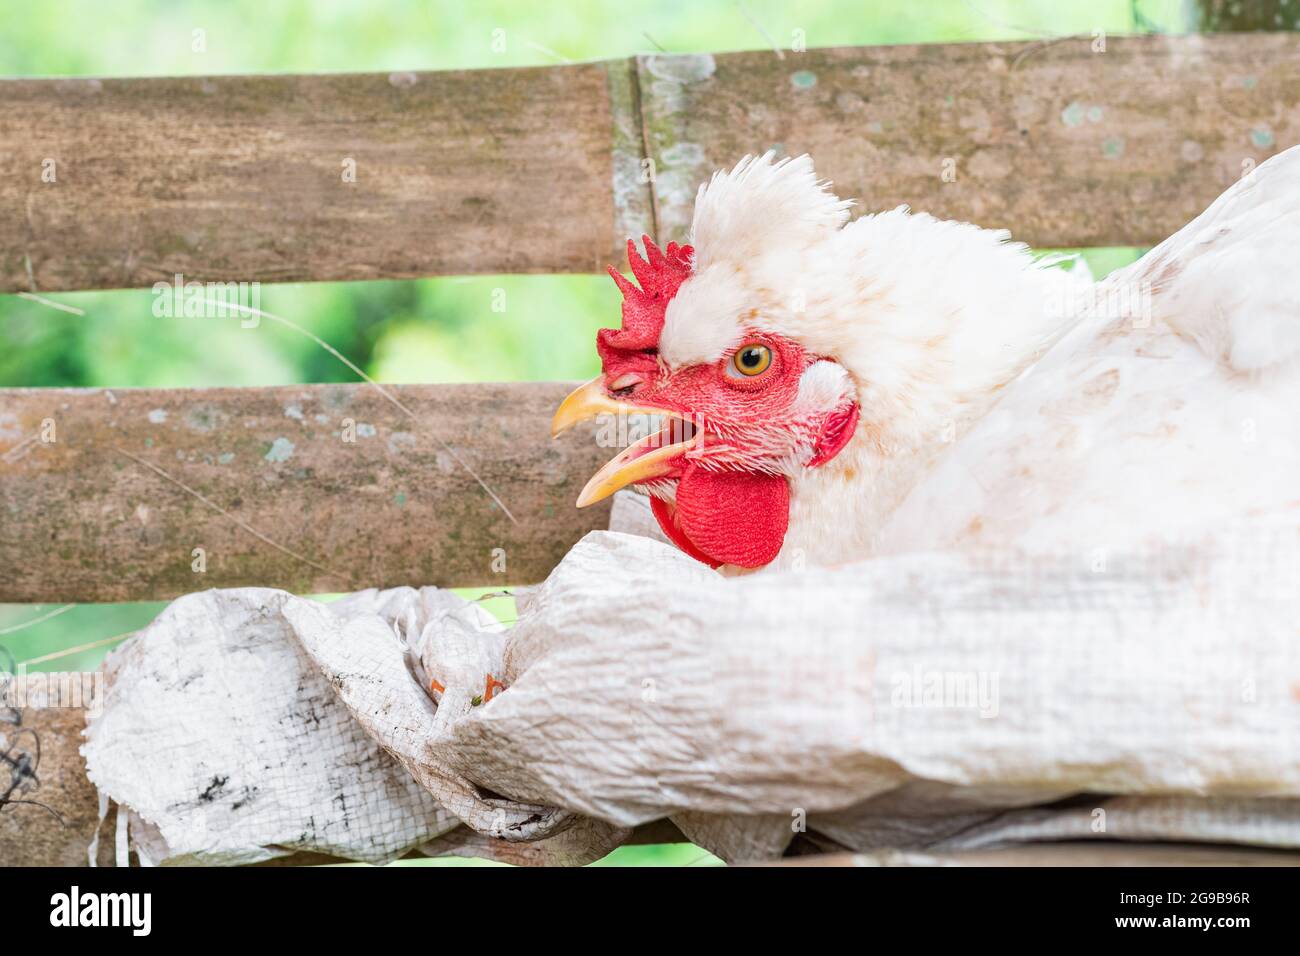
(750, 360)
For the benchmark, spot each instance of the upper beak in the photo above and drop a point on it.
(642, 461)
(584, 402)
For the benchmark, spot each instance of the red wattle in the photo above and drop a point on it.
(666, 515)
(730, 517)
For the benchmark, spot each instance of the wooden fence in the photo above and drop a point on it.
(124, 183)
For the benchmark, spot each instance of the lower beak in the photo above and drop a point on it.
(644, 460)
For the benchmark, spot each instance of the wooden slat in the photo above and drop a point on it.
(55, 824)
(241, 178)
(1063, 145)
(1099, 853)
(83, 520)
(539, 170)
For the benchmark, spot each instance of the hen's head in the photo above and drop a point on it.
(775, 342)
(746, 404)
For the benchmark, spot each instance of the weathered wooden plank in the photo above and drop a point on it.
(542, 169)
(1112, 853)
(50, 811)
(1063, 145)
(353, 492)
(245, 178)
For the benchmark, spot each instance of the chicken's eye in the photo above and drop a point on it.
(750, 360)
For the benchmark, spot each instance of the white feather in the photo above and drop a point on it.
(762, 204)
(1158, 424)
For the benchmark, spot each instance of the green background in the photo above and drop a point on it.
(433, 330)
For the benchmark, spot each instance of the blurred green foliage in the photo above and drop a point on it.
(431, 330)
(155, 37)
(437, 330)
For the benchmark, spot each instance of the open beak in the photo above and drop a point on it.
(652, 457)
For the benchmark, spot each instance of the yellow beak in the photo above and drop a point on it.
(644, 460)
(584, 402)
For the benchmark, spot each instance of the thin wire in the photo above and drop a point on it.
(11, 455)
(68, 652)
(44, 617)
(548, 51)
(370, 381)
(780, 54)
(1036, 32)
(216, 507)
(33, 297)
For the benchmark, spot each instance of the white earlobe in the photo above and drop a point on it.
(823, 385)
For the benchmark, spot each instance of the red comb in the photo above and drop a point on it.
(660, 274)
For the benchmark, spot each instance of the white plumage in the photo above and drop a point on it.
(1167, 411)
(1006, 403)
